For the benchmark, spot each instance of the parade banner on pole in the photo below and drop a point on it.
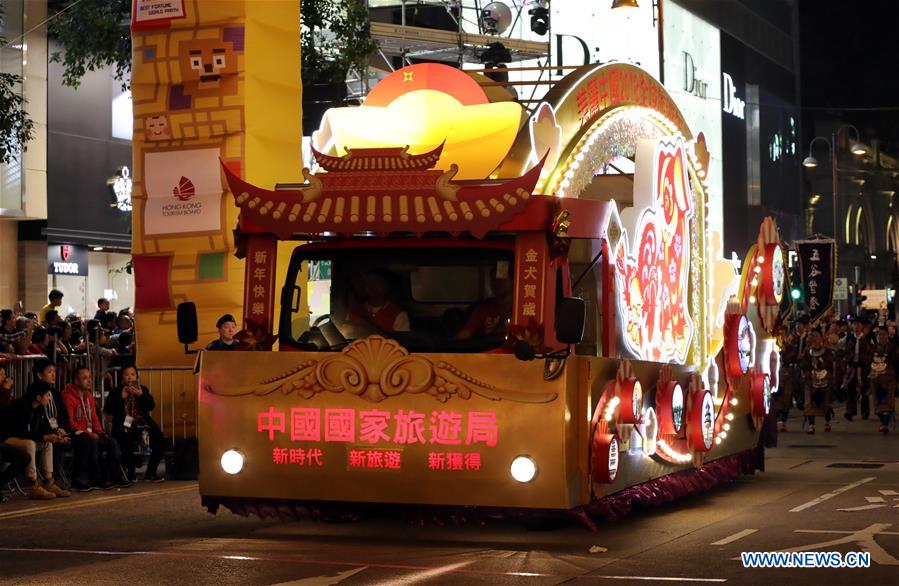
(817, 259)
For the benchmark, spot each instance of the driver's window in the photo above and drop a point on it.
(317, 284)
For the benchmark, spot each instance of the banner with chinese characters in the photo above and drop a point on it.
(259, 294)
(375, 423)
(817, 259)
(531, 258)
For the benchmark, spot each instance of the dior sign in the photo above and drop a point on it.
(692, 84)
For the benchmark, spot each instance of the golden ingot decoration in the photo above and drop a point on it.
(376, 368)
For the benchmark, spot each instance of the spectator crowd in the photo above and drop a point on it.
(50, 334)
(57, 435)
(852, 361)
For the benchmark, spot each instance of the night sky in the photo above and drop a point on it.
(849, 57)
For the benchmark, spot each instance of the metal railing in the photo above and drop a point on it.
(18, 368)
(175, 390)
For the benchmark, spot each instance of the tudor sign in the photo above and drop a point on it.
(67, 259)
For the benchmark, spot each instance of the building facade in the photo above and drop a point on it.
(61, 223)
(856, 204)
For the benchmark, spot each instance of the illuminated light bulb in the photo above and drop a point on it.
(723, 435)
(718, 440)
(729, 416)
(752, 299)
(761, 260)
(726, 427)
(232, 461)
(579, 157)
(756, 269)
(754, 282)
(523, 469)
(734, 402)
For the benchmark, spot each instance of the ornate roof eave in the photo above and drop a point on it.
(397, 158)
(449, 208)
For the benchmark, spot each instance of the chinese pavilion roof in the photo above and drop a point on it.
(378, 159)
(383, 190)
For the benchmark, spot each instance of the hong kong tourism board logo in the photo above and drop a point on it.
(183, 192)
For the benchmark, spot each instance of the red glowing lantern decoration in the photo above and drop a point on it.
(773, 276)
(701, 424)
(670, 408)
(739, 340)
(761, 395)
(630, 393)
(605, 457)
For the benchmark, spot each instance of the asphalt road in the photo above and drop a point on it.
(159, 534)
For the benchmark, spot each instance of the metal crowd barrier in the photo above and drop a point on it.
(173, 387)
(175, 390)
(18, 368)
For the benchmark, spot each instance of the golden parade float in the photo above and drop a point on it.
(544, 347)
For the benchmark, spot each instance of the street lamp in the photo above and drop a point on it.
(810, 162)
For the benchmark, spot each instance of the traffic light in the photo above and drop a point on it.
(539, 20)
(860, 296)
(795, 284)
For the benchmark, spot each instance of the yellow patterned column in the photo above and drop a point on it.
(211, 82)
(274, 106)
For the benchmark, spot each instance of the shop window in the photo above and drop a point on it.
(211, 266)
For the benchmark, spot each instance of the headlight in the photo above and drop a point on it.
(523, 469)
(232, 461)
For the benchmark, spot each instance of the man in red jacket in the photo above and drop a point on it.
(89, 437)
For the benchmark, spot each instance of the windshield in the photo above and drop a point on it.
(429, 299)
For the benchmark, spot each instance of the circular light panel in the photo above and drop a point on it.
(232, 461)
(523, 469)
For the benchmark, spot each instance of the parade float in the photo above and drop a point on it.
(635, 364)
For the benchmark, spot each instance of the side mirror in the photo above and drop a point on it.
(290, 297)
(187, 323)
(571, 315)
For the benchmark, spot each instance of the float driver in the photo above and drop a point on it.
(377, 309)
(491, 316)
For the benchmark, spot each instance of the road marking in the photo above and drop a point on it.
(298, 561)
(862, 508)
(800, 464)
(90, 502)
(425, 575)
(875, 499)
(888, 492)
(865, 538)
(830, 495)
(735, 537)
(326, 580)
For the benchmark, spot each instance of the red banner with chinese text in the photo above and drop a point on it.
(531, 261)
(259, 294)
